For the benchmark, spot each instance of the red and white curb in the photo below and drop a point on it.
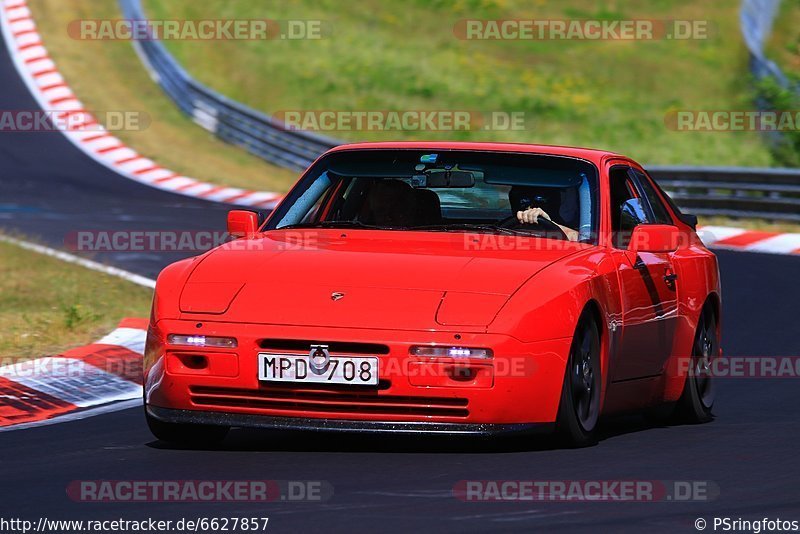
(53, 94)
(723, 237)
(77, 383)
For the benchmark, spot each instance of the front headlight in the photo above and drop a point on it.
(450, 352)
(202, 341)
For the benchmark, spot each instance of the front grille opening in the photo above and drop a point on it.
(383, 384)
(330, 402)
(335, 347)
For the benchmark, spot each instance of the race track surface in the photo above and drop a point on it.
(48, 189)
(391, 484)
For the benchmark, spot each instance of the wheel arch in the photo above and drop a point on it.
(593, 309)
(675, 374)
(715, 302)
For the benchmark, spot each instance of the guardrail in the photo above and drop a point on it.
(756, 19)
(229, 120)
(772, 194)
(747, 193)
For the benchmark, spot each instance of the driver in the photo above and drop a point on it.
(391, 202)
(527, 201)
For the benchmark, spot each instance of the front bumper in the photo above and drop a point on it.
(168, 415)
(521, 385)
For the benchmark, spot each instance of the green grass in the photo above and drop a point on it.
(47, 306)
(381, 55)
(784, 44)
(108, 76)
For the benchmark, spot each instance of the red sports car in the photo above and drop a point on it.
(441, 288)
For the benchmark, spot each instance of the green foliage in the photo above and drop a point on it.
(47, 305)
(75, 315)
(786, 144)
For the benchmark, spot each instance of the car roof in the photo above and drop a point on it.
(593, 155)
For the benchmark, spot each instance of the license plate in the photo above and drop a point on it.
(360, 371)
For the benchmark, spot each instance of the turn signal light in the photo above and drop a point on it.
(451, 352)
(202, 341)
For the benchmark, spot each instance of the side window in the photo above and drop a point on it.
(627, 207)
(659, 211)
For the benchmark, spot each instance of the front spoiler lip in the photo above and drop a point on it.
(169, 415)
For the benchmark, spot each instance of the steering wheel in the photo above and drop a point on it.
(549, 226)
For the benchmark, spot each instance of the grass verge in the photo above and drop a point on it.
(379, 55)
(108, 76)
(784, 43)
(47, 306)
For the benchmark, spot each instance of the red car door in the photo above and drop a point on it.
(647, 282)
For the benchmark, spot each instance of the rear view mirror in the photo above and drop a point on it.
(655, 238)
(443, 178)
(242, 223)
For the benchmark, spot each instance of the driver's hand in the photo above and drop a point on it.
(531, 215)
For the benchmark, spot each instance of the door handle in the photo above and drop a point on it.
(670, 277)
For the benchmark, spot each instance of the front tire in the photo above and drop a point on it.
(697, 399)
(185, 434)
(579, 409)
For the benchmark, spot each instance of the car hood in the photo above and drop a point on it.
(367, 279)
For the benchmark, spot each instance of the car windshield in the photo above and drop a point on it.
(440, 191)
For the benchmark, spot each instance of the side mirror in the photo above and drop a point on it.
(655, 238)
(242, 223)
(690, 220)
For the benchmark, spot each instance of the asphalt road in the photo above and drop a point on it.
(388, 484)
(48, 189)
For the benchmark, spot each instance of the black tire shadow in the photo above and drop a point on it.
(258, 440)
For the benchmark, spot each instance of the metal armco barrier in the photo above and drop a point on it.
(231, 121)
(770, 194)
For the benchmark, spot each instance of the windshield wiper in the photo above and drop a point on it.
(336, 224)
(454, 227)
(464, 227)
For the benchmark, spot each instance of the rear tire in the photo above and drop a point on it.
(579, 409)
(185, 434)
(697, 399)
